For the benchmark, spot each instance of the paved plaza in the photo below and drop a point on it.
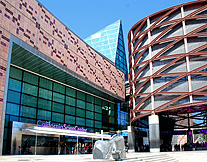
(180, 156)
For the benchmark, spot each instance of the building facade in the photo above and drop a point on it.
(109, 41)
(168, 67)
(49, 75)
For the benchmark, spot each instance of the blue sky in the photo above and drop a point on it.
(85, 17)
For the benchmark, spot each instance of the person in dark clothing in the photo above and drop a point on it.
(127, 147)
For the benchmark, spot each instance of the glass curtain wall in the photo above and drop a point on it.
(31, 98)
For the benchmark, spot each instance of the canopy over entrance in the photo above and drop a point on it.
(43, 130)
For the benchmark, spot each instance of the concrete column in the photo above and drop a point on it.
(154, 133)
(131, 138)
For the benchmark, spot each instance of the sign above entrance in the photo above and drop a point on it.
(48, 124)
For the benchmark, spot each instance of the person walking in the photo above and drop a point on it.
(19, 150)
(127, 147)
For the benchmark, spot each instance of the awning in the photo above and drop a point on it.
(44, 130)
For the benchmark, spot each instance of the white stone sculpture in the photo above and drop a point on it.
(110, 149)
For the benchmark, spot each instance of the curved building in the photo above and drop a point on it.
(168, 65)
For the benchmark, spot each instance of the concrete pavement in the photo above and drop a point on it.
(180, 156)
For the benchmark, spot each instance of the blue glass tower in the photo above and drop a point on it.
(110, 43)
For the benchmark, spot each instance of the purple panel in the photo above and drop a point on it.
(17, 31)
(31, 8)
(28, 31)
(7, 16)
(4, 44)
(19, 17)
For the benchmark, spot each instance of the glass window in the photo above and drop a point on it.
(15, 73)
(98, 109)
(13, 97)
(12, 109)
(44, 104)
(98, 124)
(44, 93)
(58, 97)
(90, 98)
(111, 106)
(30, 78)
(89, 123)
(70, 101)
(15, 85)
(81, 104)
(105, 106)
(89, 114)
(27, 120)
(14, 118)
(98, 116)
(5, 133)
(29, 100)
(90, 129)
(97, 101)
(70, 110)
(28, 112)
(44, 115)
(69, 119)
(58, 107)
(6, 124)
(45, 83)
(70, 92)
(111, 112)
(89, 106)
(111, 120)
(29, 89)
(80, 121)
(80, 112)
(81, 95)
(57, 117)
(59, 88)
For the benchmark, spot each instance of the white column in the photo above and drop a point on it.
(187, 57)
(154, 133)
(154, 130)
(131, 138)
(151, 66)
(133, 74)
